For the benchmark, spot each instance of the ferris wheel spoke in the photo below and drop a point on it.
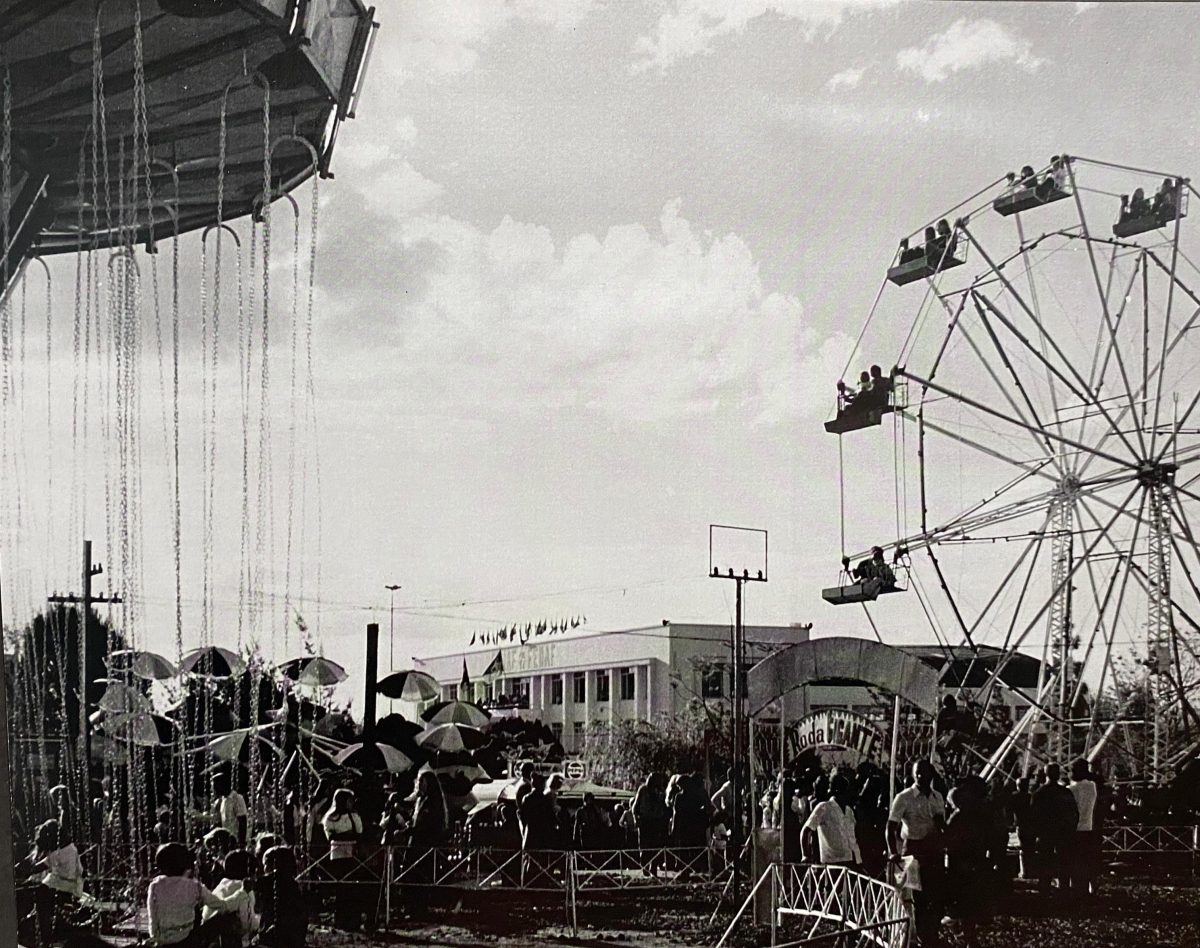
(958, 396)
(1003, 389)
(1166, 331)
(1113, 353)
(1080, 391)
(1068, 577)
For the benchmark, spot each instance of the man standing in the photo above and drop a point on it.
(229, 810)
(832, 821)
(1056, 817)
(915, 824)
(1084, 851)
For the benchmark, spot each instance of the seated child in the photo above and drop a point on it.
(284, 920)
(174, 900)
(59, 874)
(239, 901)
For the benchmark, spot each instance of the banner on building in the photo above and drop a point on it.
(834, 735)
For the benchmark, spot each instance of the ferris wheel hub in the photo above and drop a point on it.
(1160, 474)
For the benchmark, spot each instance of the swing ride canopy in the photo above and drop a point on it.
(169, 80)
(1043, 421)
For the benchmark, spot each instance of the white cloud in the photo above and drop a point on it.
(638, 325)
(443, 38)
(691, 27)
(847, 78)
(1083, 7)
(967, 44)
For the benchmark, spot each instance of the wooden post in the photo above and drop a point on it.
(8, 891)
(372, 682)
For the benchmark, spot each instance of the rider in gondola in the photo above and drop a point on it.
(876, 569)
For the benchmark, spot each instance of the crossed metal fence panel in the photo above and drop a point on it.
(858, 903)
(1137, 839)
(616, 869)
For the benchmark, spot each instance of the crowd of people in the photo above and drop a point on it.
(946, 848)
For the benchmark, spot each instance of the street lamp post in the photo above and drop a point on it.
(392, 627)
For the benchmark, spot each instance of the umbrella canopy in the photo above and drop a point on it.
(228, 747)
(409, 686)
(148, 665)
(121, 698)
(374, 757)
(450, 738)
(143, 728)
(212, 661)
(456, 712)
(315, 671)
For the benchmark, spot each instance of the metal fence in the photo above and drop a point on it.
(863, 910)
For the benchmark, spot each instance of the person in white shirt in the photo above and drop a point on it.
(229, 811)
(59, 873)
(344, 827)
(915, 824)
(1085, 851)
(239, 901)
(832, 821)
(174, 900)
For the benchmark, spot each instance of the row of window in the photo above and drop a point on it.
(603, 687)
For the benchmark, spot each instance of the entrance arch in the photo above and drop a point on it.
(842, 660)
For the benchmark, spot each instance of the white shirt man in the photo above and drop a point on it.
(835, 829)
(1084, 792)
(228, 811)
(919, 814)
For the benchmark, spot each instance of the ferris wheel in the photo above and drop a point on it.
(1040, 345)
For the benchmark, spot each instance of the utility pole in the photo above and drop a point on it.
(90, 569)
(742, 755)
(372, 683)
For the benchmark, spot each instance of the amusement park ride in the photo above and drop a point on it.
(127, 123)
(1046, 449)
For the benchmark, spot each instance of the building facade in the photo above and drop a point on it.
(600, 679)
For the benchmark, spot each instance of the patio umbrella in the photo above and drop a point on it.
(148, 665)
(451, 738)
(315, 671)
(456, 712)
(374, 757)
(212, 661)
(121, 698)
(409, 686)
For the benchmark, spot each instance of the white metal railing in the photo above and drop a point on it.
(855, 903)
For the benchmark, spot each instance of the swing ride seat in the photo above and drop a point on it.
(920, 268)
(850, 419)
(1026, 199)
(867, 591)
(1132, 226)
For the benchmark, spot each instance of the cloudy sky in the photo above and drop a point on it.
(588, 272)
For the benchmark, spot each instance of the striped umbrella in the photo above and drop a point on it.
(213, 662)
(456, 712)
(315, 671)
(374, 757)
(148, 665)
(451, 738)
(409, 686)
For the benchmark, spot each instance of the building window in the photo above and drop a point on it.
(579, 687)
(556, 729)
(577, 732)
(452, 692)
(712, 682)
(602, 686)
(556, 690)
(519, 688)
(628, 684)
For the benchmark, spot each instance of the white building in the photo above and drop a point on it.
(606, 677)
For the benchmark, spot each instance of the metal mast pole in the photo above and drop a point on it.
(738, 755)
(1059, 635)
(8, 889)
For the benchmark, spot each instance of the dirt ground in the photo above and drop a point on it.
(1128, 913)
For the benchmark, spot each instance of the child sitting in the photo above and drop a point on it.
(239, 901)
(59, 874)
(284, 920)
(174, 900)
(210, 855)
